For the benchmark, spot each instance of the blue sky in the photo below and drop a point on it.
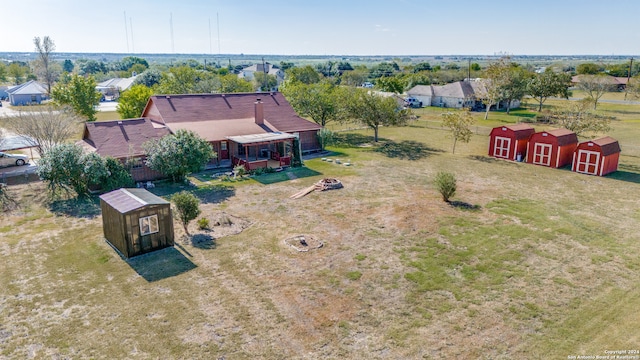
(329, 27)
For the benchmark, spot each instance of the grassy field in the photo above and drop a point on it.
(527, 262)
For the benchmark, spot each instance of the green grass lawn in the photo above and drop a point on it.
(526, 262)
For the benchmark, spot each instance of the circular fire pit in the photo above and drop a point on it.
(304, 243)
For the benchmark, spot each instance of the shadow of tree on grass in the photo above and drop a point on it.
(464, 205)
(203, 241)
(84, 207)
(406, 149)
(209, 194)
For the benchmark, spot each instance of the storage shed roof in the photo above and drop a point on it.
(126, 200)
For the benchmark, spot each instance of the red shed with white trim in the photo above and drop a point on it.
(597, 157)
(553, 148)
(509, 141)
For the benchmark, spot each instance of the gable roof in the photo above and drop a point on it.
(458, 89)
(126, 200)
(121, 138)
(118, 83)
(424, 90)
(608, 145)
(563, 136)
(29, 88)
(171, 109)
(271, 69)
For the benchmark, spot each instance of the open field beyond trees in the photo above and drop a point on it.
(527, 262)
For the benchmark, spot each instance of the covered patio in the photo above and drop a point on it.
(272, 149)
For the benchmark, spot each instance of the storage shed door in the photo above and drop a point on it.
(501, 147)
(542, 154)
(588, 162)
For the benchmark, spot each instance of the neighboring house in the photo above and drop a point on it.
(460, 94)
(123, 139)
(31, 92)
(245, 126)
(248, 73)
(112, 88)
(619, 83)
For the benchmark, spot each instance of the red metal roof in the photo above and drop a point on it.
(209, 107)
(121, 138)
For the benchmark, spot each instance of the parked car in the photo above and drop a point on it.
(413, 102)
(367, 84)
(7, 159)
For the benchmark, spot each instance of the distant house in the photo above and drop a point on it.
(460, 94)
(242, 126)
(112, 88)
(248, 73)
(123, 139)
(614, 82)
(31, 92)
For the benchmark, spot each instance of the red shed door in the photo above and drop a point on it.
(542, 154)
(588, 162)
(501, 147)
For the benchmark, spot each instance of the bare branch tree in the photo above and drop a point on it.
(46, 127)
(44, 69)
(595, 86)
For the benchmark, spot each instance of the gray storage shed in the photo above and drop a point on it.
(136, 221)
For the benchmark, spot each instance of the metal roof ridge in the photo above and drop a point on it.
(135, 197)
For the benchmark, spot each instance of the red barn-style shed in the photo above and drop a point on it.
(553, 148)
(597, 157)
(509, 141)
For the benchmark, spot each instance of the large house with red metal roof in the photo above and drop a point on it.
(251, 129)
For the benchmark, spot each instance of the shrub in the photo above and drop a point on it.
(203, 223)
(187, 208)
(446, 184)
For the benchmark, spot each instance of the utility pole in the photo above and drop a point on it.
(469, 71)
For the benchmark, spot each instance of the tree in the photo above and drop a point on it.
(354, 77)
(475, 67)
(3, 72)
(133, 101)
(459, 123)
(633, 87)
(392, 84)
(373, 110)
(187, 208)
(231, 83)
(318, 101)
(588, 69)
(423, 66)
(91, 67)
(547, 84)
(80, 93)
(263, 81)
(66, 168)
(446, 184)
(18, 72)
(117, 175)
(47, 127)
(44, 70)
(149, 78)
(179, 80)
(578, 118)
(67, 66)
(177, 155)
(306, 75)
(61, 167)
(595, 86)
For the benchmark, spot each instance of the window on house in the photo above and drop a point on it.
(149, 225)
(136, 163)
